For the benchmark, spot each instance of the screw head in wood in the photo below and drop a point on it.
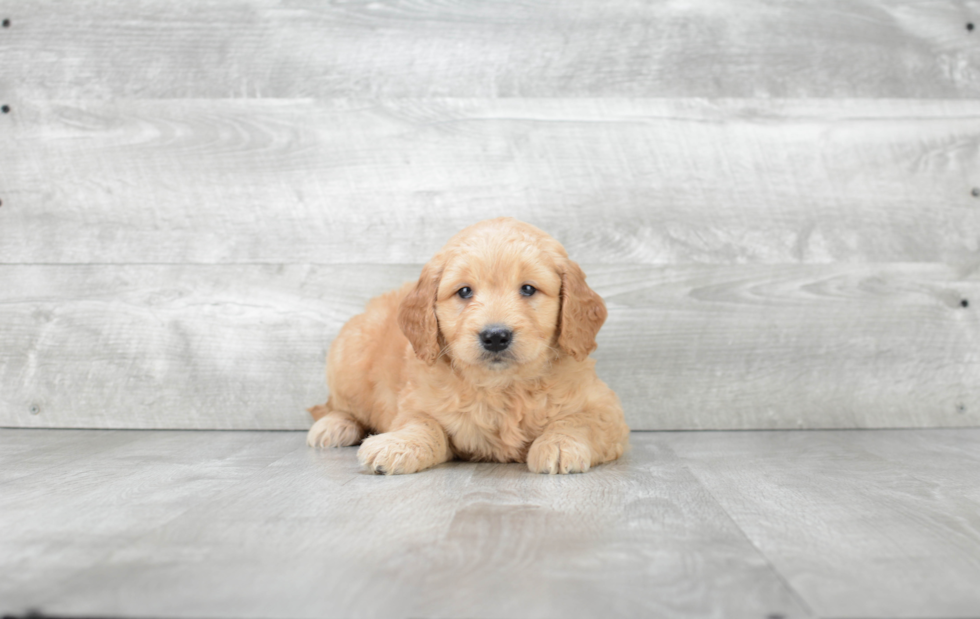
(976, 192)
(5, 109)
(6, 23)
(961, 408)
(969, 27)
(35, 409)
(965, 303)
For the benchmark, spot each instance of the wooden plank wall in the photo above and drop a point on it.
(780, 201)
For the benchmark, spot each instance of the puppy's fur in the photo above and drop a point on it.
(412, 368)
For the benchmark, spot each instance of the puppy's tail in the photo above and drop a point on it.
(320, 410)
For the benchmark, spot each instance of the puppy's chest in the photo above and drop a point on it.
(497, 427)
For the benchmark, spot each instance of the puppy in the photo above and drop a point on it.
(485, 358)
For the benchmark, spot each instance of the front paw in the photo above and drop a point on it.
(391, 454)
(558, 453)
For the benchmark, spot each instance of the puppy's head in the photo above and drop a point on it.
(502, 296)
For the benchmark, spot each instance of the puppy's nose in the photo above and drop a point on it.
(496, 338)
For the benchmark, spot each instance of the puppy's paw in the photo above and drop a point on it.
(558, 453)
(335, 430)
(392, 454)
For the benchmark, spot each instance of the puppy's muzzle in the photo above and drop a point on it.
(496, 338)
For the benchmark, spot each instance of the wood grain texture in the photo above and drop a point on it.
(618, 181)
(258, 525)
(467, 48)
(695, 347)
(861, 524)
(815, 346)
(110, 489)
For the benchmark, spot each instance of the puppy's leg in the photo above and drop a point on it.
(560, 449)
(418, 443)
(575, 443)
(335, 429)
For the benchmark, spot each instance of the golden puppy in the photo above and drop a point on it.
(486, 357)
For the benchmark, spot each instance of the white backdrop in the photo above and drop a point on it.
(774, 198)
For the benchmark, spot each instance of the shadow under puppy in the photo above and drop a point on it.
(486, 357)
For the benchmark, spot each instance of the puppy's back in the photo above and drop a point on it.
(366, 364)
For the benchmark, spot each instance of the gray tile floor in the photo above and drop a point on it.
(721, 524)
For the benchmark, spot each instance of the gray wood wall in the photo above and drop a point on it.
(779, 200)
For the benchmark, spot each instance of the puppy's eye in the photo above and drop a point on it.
(527, 290)
(465, 292)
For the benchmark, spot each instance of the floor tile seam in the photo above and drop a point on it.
(796, 595)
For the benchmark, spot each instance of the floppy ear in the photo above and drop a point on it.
(417, 315)
(582, 313)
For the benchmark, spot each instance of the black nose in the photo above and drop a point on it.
(496, 338)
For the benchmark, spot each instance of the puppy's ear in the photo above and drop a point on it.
(417, 315)
(582, 313)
